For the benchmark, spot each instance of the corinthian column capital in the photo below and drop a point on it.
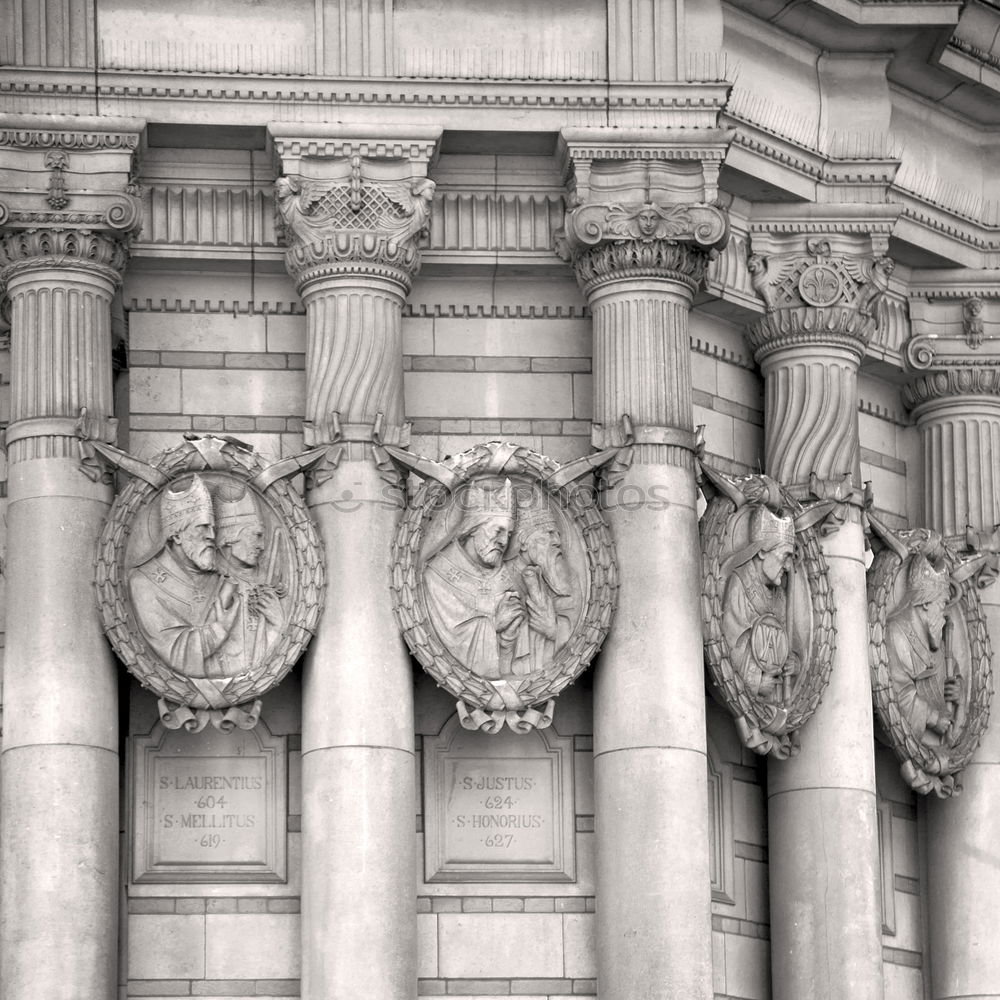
(353, 201)
(818, 290)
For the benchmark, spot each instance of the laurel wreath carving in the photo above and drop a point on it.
(306, 581)
(750, 712)
(409, 602)
(922, 765)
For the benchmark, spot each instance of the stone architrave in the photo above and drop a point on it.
(210, 579)
(769, 617)
(68, 212)
(823, 284)
(504, 582)
(931, 660)
(353, 205)
(640, 232)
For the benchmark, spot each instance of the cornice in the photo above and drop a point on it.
(960, 283)
(75, 132)
(629, 104)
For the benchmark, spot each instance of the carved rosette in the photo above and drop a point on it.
(926, 630)
(209, 638)
(813, 293)
(767, 609)
(354, 224)
(609, 242)
(504, 630)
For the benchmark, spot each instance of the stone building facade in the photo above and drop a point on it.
(765, 233)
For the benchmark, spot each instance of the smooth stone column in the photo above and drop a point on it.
(654, 921)
(826, 923)
(59, 836)
(654, 925)
(359, 928)
(353, 264)
(958, 416)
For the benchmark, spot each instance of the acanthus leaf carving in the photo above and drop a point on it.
(353, 221)
(810, 289)
(930, 654)
(767, 608)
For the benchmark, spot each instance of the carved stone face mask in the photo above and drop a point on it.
(197, 542)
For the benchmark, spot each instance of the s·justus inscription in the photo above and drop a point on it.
(208, 806)
(492, 808)
(498, 808)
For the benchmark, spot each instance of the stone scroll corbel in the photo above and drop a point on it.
(504, 579)
(210, 575)
(767, 608)
(929, 650)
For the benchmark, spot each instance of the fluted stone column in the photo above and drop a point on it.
(639, 263)
(59, 836)
(826, 925)
(958, 416)
(353, 257)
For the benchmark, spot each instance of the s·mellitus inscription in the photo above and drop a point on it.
(209, 806)
(202, 816)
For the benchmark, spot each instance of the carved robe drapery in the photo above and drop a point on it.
(180, 617)
(462, 600)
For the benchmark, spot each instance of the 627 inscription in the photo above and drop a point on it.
(496, 813)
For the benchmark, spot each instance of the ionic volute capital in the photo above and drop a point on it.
(817, 289)
(641, 219)
(350, 203)
(66, 174)
(954, 325)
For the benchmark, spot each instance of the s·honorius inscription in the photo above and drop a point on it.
(498, 808)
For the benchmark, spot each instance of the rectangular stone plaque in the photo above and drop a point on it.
(208, 806)
(498, 808)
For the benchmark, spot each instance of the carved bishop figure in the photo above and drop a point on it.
(930, 654)
(768, 615)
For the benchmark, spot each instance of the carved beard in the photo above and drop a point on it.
(202, 554)
(556, 572)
